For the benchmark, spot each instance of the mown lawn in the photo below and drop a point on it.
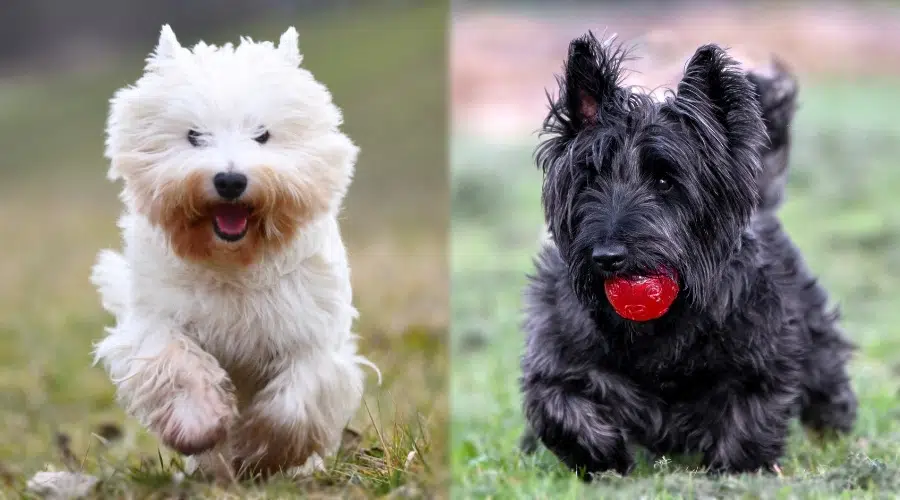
(57, 210)
(842, 212)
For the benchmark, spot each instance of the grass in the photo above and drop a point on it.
(841, 212)
(386, 69)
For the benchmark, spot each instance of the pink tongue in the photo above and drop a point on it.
(231, 219)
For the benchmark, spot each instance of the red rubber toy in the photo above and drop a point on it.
(642, 298)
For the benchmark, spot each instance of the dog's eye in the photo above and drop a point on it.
(193, 137)
(262, 138)
(663, 184)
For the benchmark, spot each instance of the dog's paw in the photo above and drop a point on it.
(196, 420)
(263, 446)
(313, 465)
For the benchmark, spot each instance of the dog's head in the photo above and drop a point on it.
(230, 150)
(633, 184)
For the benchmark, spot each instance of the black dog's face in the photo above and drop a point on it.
(633, 185)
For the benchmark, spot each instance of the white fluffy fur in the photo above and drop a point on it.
(245, 365)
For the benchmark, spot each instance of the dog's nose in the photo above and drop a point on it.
(609, 257)
(230, 185)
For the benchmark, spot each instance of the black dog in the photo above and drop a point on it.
(691, 183)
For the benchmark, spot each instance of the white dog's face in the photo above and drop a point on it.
(230, 150)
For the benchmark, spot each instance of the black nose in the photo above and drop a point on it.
(609, 257)
(230, 185)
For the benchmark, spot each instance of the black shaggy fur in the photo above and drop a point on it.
(691, 183)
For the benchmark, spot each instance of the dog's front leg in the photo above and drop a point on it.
(747, 429)
(165, 380)
(583, 432)
(298, 417)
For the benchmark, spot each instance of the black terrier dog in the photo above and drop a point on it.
(691, 184)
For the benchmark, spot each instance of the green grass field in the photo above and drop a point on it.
(841, 211)
(387, 70)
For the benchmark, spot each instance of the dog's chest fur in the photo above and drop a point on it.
(677, 366)
(282, 310)
(294, 314)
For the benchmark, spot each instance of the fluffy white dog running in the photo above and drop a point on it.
(232, 294)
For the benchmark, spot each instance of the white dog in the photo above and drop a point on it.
(232, 295)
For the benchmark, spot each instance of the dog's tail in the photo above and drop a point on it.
(777, 89)
(111, 276)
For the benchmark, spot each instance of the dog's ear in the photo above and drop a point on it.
(592, 77)
(714, 84)
(166, 47)
(776, 88)
(289, 46)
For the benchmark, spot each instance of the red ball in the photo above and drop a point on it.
(642, 298)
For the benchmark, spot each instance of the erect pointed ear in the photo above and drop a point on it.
(714, 85)
(167, 46)
(776, 88)
(592, 78)
(289, 46)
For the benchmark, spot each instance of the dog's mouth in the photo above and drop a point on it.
(231, 221)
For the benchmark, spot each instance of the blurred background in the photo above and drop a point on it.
(60, 62)
(841, 209)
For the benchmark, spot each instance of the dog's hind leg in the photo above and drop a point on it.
(828, 402)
